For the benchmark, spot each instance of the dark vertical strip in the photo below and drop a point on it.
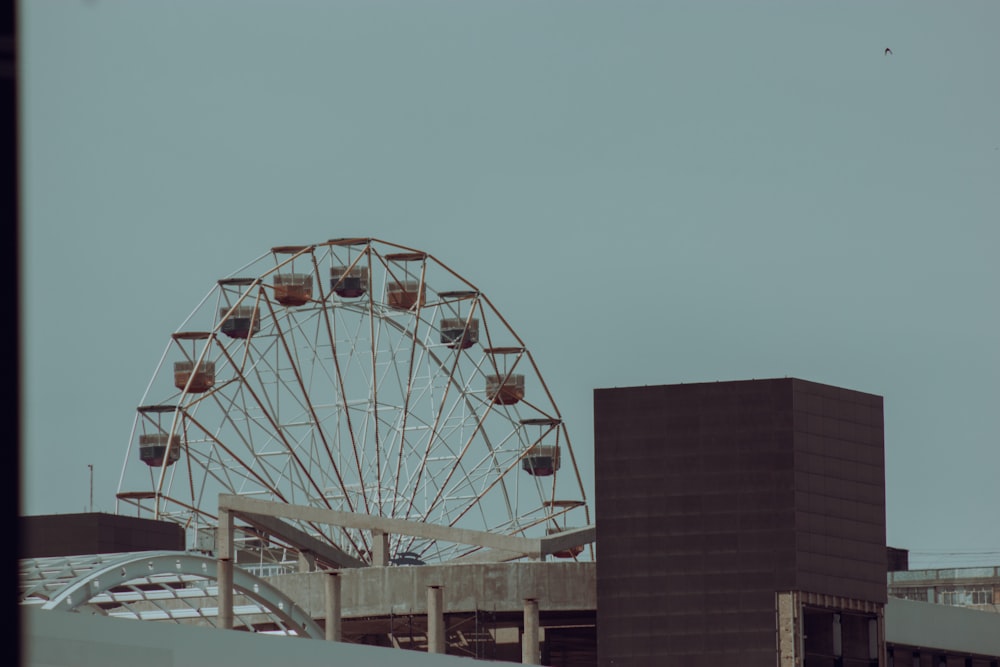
(11, 367)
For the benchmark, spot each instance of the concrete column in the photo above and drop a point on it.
(435, 619)
(530, 654)
(224, 553)
(788, 630)
(380, 548)
(225, 593)
(333, 606)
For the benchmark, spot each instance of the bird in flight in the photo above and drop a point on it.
(888, 51)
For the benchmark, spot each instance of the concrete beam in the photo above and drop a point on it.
(489, 556)
(568, 539)
(532, 547)
(547, 545)
(302, 541)
(372, 591)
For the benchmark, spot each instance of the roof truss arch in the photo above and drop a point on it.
(178, 586)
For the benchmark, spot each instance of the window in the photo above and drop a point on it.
(909, 593)
(961, 596)
(949, 596)
(981, 595)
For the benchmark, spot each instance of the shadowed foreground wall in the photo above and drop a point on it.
(83, 640)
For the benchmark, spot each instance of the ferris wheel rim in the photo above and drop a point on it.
(388, 318)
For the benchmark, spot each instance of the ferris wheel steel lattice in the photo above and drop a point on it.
(355, 375)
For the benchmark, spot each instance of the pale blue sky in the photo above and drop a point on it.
(650, 192)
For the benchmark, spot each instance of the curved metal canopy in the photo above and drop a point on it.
(176, 586)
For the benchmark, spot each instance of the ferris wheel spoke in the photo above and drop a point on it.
(273, 430)
(373, 387)
(491, 448)
(404, 414)
(305, 397)
(243, 466)
(479, 478)
(433, 427)
(498, 480)
(441, 489)
(340, 387)
(432, 441)
(219, 472)
(412, 348)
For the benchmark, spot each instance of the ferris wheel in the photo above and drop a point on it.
(355, 375)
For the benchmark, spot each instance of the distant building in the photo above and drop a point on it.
(972, 587)
(898, 559)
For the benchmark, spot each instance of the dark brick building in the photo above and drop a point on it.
(95, 533)
(741, 523)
